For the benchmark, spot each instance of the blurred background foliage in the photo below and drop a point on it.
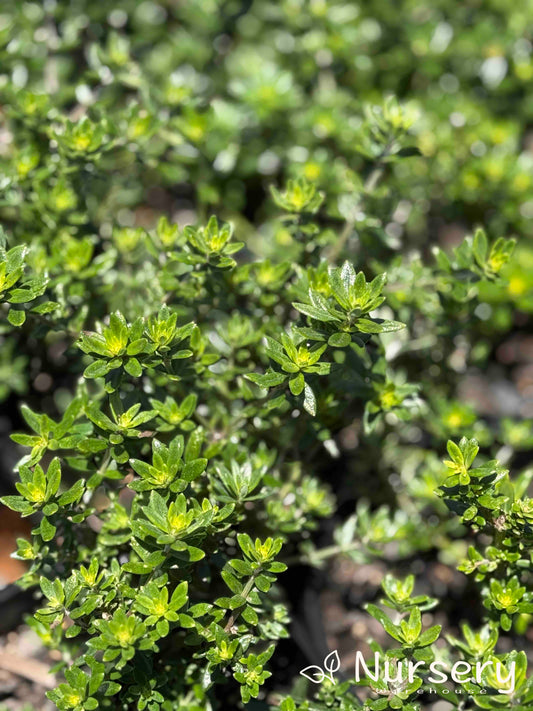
(224, 98)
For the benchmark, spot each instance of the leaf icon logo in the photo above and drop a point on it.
(314, 673)
(317, 675)
(332, 663)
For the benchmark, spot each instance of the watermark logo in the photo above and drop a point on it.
(461, 672)
(316, 674)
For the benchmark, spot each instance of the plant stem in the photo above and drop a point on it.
(369, 185)
(245, 592)
(323, 553)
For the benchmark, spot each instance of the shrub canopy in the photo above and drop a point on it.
(254, 257)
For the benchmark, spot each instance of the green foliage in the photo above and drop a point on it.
(240, 285)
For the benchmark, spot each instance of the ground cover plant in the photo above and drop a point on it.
(261, 266)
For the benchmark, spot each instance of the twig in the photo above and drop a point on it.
(369, 185)
(245, 592)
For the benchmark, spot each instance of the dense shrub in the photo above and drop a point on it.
(241, 287)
